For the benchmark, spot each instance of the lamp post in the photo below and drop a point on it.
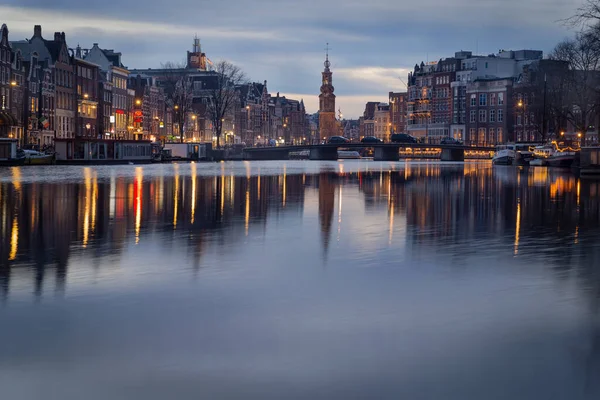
(521, 105)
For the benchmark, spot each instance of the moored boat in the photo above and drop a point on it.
(348, 154)
(562, 159)
(504, 155)
(34, 157)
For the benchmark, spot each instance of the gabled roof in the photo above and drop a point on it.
(54, 47)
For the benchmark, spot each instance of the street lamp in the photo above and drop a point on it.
(176, 107)
(13, 83)
(138, 102)
(85, 96)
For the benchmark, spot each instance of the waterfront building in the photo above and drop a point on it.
(114, 76)
(11, 89)
(429, 105)
(87, 83)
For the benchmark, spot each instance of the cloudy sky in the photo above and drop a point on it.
(373, 42)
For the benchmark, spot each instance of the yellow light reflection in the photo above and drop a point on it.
(247, 215)
(518, 227)
(139, 177)
(94, 199)
(16, 178)
(175, 195)
(194, 177)
(391, 223)
(14, 239)
(87, 173)
(284, 185)
(222, 194)
(578, 191)
(341, 195)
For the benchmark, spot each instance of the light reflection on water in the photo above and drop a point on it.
(299, 280)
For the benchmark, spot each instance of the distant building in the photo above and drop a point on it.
(327, 120)
(398, 107)
(381, 122)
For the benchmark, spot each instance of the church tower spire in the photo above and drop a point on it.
(327, 121)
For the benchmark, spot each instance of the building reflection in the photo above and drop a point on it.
(535, 213)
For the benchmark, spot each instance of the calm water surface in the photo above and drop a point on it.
(299, 280)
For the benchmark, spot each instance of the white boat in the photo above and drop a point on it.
(348, 154)
(550, 155)
(513, 153)
(504, 155)
(34, 157)
(541, 155)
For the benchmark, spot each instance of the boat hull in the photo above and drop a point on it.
(503, 160)
(12, 162)
(41, 160)
(561, 162)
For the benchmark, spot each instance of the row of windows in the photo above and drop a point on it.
(483, 136)
(494, 99)
(86, 110)
(66, 125)
(483, 115)
(63, 78)
(65, 101)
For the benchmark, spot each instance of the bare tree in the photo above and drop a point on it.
(581, 82)
(177, 85)
(222, 95)
(587, 13)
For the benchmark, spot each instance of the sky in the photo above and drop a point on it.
(373, 44)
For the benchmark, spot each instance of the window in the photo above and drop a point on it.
(500, 114)
(486, 64)
(473, 100)
(482, 115)
(493, 99)
(500, 99)
(483, 99)
(481, 136)
(491, 136)
(499, 139)
(472, 134)
(473, 116)
(492, 115)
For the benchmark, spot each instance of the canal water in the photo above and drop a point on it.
(299, 280)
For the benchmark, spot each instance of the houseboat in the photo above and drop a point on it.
(100, 151)
(189, 151)
(589, 161)
(9, 153)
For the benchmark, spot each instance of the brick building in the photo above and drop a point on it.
(489, 111)
(398, 103)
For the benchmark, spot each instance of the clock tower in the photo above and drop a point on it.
(327, 121)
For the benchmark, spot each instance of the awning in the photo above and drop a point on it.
(8, 118)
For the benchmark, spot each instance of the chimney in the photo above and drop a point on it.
(62, 37)
(57, 36)
(37, 31)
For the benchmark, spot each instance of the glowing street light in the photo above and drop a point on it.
(85, 96)
(176, 107)
(13, 83)
(138, 102)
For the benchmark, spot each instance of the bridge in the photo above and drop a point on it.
(382, 151)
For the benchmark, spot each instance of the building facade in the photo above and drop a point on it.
(382, 125)
(327, 120)
(398, 102)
